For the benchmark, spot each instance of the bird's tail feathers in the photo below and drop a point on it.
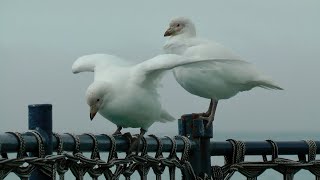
(267, 84)
(166, 117)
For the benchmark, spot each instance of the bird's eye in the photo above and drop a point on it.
(178, 25)
(98, 100)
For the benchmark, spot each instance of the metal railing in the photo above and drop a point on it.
(52, 154)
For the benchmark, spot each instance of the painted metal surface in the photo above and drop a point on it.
(40, 120)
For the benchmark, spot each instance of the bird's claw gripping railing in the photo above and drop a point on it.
(193, 143)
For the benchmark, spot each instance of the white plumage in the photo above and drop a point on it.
(126, 93)
(221, 77)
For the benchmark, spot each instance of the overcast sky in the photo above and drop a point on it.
(39, 41)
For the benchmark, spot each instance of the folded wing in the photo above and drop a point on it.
(237, 72)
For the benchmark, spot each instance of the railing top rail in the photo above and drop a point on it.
(9, 143)
(220, 148)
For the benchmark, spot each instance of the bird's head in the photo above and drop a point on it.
(97, 95)
(181, 25)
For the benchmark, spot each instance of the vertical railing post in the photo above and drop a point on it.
(40, 119)
(195, 130)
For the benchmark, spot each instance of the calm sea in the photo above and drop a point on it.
(267, 175)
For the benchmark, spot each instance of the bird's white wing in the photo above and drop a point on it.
(235, 71)
(93, 62)
(198, 48)
(208, 50)
(231, 71)
(149, 72)
(98, 63)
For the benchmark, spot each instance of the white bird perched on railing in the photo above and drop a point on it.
(126, 93)
(215, 80)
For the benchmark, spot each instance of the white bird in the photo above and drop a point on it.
(126, 93)
(213, 79)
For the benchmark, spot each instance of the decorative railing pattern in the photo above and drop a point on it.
(69, 156)
(41, 154)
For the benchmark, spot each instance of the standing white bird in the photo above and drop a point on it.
(212, 79)
(124, 93)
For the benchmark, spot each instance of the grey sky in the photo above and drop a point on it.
(39, 40)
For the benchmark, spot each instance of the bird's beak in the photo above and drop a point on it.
(93, 111)
(169, 32)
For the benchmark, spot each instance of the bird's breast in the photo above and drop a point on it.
(136, 109)
(203, 83)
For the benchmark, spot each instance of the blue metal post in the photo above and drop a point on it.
(195, 130)
(40, 119)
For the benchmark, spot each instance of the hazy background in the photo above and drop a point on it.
(39, 41)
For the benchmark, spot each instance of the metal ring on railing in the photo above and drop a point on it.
(112, 152)
(238, 154)
(144, 146)
(239, 150)
(60, 143)
(41, 152)
(312, 149)
(275, 150)
(186, 148)
(185, 156)
(242, 151)
(77, 142)
(129, 137)
(22, 146)
(95, 150)
(158, 170)
(159, 146)
(233, 157)
(62, 166)
(173, 151)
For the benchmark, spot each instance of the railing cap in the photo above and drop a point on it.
(39, 105)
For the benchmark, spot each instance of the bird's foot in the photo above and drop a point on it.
(117, 133)
(209, 120)
(205, 114)
(199, 115)
(209, 115)
(135, 143)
